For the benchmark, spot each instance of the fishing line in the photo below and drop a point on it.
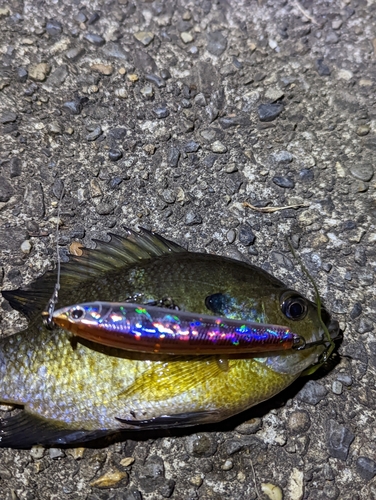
(50, 308)
(329, 348)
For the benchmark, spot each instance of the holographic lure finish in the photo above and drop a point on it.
(141, 328)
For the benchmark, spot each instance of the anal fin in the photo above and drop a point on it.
(177, 420)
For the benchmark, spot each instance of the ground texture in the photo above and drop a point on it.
(170, 115)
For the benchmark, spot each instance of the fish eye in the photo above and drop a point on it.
(77, 313)
(294, 306)
(217, 303)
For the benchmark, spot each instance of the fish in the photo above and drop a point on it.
(70, 390)
(140, 328)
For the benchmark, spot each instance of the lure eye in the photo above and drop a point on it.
(77, 313)
(294, 306)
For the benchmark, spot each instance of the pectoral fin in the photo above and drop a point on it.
(168, 379)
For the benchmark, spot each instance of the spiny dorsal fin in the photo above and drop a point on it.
(119, 252)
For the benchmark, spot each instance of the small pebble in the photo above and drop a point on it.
(132, 77)
(127, 461)
(145, 37)
(250, 426)
(168, 196)
(157, 80)
(53, 27)
(93, 18)
(95, 189)
(228, 465)
(15, 167)
(312, 393)
(147, 91)
(364, 326)
(95, 39)
(322, 68)
(201, 445)
(216, 43)
(26, 246)
(191, 147)
(149, 149)
(231, 168)
(186, 37)
(196, 481)
(165, 74)
(231, 235)
(75, 248)
(246, 236)
(104, 69)
(37, 452)
(362, 171)
(356, 310)
(218, 147)
(284, 182)
(39, 72)
(332, 37)
(161, 112)
(337, 387)
(74, 53)
(77, 453)
(336, 24)
(299, 422)
(363, 130)
(117, 133)
(345, 379)
(94, 134)
(366, 468)
(282, 157)
(115, 154)
(208, 134)
(105, 208)
(73, 107)
(273, 94)
(80, 17)
(110, 479)
(22, 75)
(8, 117)
(339, 440)
(269, 112)
(121, 93)
(272, 491)
(192, 218)
(56, 453)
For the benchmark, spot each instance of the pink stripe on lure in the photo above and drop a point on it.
(141, 328)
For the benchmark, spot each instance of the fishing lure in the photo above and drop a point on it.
(141, 328)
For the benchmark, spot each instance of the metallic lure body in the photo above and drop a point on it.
(143, 328)
(71, 389)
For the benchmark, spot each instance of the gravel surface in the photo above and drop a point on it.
(171, 114)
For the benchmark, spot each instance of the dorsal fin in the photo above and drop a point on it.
(119, 252)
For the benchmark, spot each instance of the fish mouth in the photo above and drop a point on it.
(62, 320)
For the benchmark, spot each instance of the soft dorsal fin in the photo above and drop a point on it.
(119, 252)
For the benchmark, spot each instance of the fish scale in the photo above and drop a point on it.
(76, 390)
